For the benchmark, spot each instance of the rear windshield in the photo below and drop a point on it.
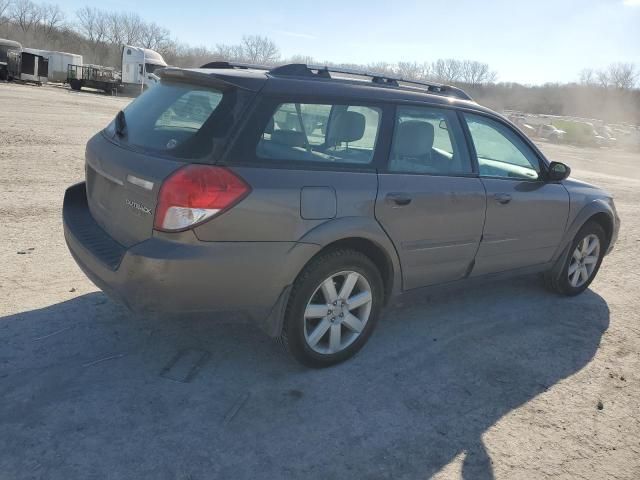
(177, 119)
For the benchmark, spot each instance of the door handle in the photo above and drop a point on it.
(399, 199)
(502, 198)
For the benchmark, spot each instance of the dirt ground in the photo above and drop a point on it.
(504, 380)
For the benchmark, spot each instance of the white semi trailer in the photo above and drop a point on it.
(58, 62)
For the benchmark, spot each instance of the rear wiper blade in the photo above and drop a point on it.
(121, 123)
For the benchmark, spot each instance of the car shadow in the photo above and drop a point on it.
(85, 392)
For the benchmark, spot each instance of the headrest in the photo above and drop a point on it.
(270, 126)
(347, 127)
(413, 139)
(289, 138)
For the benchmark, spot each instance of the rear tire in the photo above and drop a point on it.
(581, 263)
(75, 84)
(326, 325)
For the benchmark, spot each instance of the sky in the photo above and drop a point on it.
(525, 41)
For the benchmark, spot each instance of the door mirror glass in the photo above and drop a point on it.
(558, 171)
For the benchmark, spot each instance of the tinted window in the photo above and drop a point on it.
(428, 140)
(501, 152)
(320, 133)
(177, 118)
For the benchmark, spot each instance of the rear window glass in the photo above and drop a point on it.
(177, 119)
(320, 133)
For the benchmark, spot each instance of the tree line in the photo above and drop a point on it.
(610, 94)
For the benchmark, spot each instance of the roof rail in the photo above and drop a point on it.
(324, 71)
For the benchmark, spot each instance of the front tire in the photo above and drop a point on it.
(333, 308)
(582, 261)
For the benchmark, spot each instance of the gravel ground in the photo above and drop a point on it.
(503, 380)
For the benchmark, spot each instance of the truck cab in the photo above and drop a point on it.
(140, 66)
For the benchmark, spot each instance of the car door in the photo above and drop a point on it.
(526, 216)
(430, 201)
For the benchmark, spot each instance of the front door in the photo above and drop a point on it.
(430, 202)
(526, 216)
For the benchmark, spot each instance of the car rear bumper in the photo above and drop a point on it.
(165, 276)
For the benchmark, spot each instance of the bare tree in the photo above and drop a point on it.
(25, 14)
(602, 77)
(115, 29)
(377, 67)
(412, 70)
(476, 73)
(132, 26)
(234, 53)
(52, 18)
(89, 21)
(447, 70)
(259, 49)
(622, 75)
(304, 59)
(154, 36)
(588, 77)
(4, 10)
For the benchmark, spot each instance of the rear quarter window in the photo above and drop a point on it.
(320, 133)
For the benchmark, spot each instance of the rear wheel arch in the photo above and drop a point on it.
(375, 252)
(363, 234)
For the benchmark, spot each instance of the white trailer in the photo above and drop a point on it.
(139, 65)
(58, 62)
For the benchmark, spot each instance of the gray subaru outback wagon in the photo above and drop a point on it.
(307, 197)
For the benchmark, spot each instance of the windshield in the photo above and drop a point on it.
(177, 119)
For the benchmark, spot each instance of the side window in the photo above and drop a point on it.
(501, 152)
(428, 140)
(320, 133)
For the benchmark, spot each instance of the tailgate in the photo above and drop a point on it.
(122, 189)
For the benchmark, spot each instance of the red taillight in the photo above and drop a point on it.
(194, 194)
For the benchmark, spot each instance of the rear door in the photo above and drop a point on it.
(526, 216)
(430, 201)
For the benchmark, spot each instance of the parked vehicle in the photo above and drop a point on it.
(27, 67)
(606, 133)
(551, 133)
(58, 62)
(204, 195)
(10, 53)
(141, 65)
(93, 76)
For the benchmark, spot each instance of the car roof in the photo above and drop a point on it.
(316, 87)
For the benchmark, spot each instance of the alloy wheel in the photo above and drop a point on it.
(584, 260)
(337, 312)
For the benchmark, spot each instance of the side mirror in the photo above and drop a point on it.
(558, 171)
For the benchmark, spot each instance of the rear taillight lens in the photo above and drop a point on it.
(194, 194)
